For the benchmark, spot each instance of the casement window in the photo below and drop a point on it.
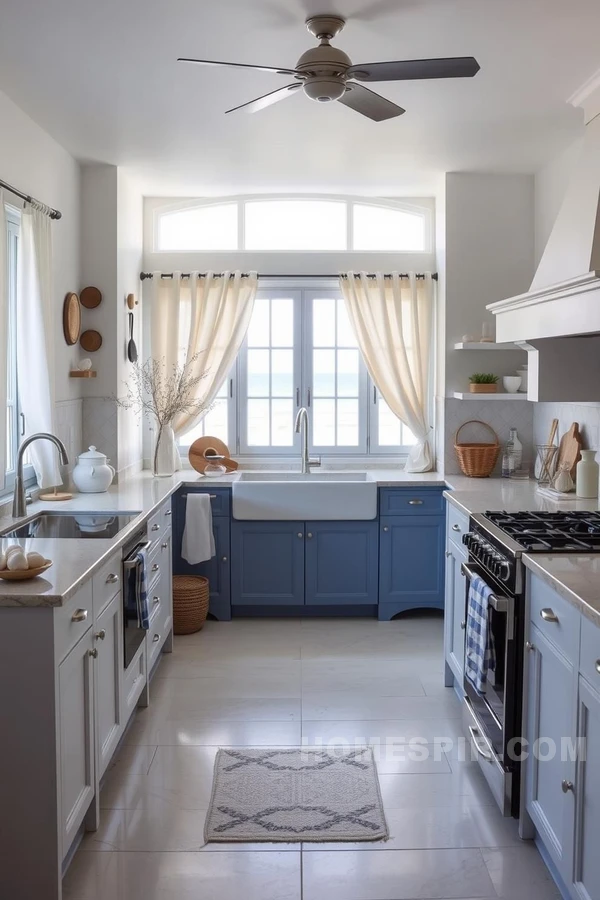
(294, 224)
(300, 350)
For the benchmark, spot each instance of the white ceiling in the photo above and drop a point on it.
(102, 78)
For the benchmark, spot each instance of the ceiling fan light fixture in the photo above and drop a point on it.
(324, 89)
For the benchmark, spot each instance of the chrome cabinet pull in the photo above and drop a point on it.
(224, 559)
(598, 666)
(156, 600)
(100, 635)
(463, 626)
(456, 527)
(415, 503)
(448, 554)
(529, 646)
(483, 753)
(385, 528)
(156, 527)
(300, 535)
(168, 513)
(548, 615)
(156, 638)
(309, 535)
(112, 579)
(93, 653)
(567, 786)
(165, 545)
(155, 567)
(80, 615)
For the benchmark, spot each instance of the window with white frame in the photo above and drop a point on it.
(300, 350)
(294, 224)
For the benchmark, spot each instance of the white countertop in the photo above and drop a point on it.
(74, 560)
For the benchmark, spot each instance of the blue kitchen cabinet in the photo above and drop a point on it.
(217, 569)
(411, 563)
(267, 566)
(341, 563)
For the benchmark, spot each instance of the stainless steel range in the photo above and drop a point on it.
(496, 542)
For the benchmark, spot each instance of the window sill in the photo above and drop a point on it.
(327, 462)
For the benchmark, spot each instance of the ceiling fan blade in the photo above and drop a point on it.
(416, 69)
(370, 104)
(213, 62)
(267, 99)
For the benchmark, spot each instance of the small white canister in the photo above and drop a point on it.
(586, 479)
(92, 474)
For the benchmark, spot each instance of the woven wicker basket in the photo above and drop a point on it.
(190, 603)
(477, 460)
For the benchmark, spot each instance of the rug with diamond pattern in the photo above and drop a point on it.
(295, 794)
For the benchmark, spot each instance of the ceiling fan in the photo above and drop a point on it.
(326, 73)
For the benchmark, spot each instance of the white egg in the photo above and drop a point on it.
(35, 560)
(2, 561)
(17, 562)
(14, 548)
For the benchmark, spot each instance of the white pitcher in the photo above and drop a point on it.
(92, 474)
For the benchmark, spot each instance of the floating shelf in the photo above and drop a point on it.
(469, 396)
(484, 345)
(77, 373)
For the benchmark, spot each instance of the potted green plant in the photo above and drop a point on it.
(483, 383)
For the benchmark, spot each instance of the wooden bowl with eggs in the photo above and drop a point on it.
(16, 565)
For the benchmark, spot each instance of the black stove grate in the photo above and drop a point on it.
(575, 531)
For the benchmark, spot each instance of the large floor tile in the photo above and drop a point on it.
(341, 705)
(460, 825)
(432, 791)
(519, 873)
(411, 759)
(191, 731)
(383, 678)
(184, 876)
(132, 760)
(395, 875)
(383, 732)
(250, 680)
(225, 709)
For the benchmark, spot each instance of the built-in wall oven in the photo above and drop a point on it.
(133, 633)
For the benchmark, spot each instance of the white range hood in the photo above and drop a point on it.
(563, 304)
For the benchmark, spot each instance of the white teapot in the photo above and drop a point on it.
(92, 474)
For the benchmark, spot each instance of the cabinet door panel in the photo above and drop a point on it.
(455, 610)
(217, 569)
(549, 721)
(267, 563)
(341, 563)
(587, 786)
(76, 700)
(108, 678)
(411, 561)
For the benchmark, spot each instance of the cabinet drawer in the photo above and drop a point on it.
(72, 620)
(220, 500)
(590, 652)
(408, 502)
(159, 522)
(558, 621)
(157, 634)
(107, 582)
(458, 524)
(134, 680)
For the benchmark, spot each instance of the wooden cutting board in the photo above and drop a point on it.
(569, 449)
(201, 450)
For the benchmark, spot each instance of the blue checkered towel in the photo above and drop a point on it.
(141, 595)
(479, 655)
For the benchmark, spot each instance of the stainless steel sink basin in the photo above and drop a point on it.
(327, 496)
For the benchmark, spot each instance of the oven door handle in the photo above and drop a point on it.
(130, 562)
(500, 604)
(484, 753)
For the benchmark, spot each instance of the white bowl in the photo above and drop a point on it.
(511, 383)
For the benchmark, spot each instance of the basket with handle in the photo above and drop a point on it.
(191, 595)
(477, 460)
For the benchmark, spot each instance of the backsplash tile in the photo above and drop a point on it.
(68, 417)
(587, 415)
(502, 415)
(100, 426)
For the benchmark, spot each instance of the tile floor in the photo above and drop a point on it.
(281, 683)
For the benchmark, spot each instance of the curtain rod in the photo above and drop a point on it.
(145, 275)
(53, 213)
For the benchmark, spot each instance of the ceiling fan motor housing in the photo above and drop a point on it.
(323, 72)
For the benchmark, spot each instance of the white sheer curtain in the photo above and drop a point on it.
(35, 333)
(392, 318)
(3, 335)
(207, 315)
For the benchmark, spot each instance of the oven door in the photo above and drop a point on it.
(133, 633)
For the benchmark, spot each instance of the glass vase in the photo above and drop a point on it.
(164, 456)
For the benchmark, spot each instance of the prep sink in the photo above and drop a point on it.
(284, 496)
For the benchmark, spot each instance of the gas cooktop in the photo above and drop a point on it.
(551, 532)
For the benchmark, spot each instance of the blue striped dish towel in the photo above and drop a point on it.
(141, 594)
(479, 655)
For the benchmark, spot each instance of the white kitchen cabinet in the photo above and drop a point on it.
(550, 703)
(586, 869)
(108, 641)
(76, 736)
(455, 597)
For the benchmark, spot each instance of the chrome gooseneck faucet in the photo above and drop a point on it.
(301, 427)
(19, 503)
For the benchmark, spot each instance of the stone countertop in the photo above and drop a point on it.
(576, 577)
(476, 495)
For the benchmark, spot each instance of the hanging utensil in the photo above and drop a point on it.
(132, 353)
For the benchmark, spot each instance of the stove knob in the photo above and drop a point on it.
(466, 539)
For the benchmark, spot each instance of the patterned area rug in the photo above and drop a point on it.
(298, 794)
